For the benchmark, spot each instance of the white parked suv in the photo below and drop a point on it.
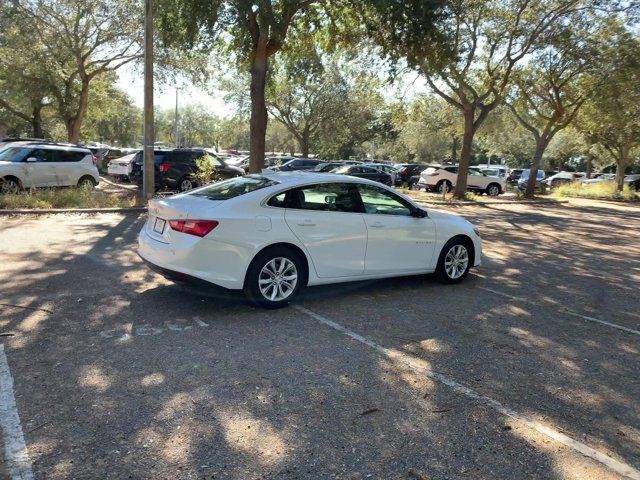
(439, 179)
(26, 165)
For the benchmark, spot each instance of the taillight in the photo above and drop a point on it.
(403, 171)
(199, 228)
(164, 167)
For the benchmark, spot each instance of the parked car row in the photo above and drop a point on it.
(35, 164)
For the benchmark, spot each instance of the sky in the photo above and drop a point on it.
(131, 81)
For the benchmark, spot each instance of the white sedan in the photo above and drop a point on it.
(274, 234)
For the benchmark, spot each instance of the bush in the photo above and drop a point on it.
(207, 172)
(65, 198)
(601, 190)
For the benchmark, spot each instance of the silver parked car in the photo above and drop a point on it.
(26, 165)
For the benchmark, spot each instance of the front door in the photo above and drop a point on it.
(397, 241)
(326, 219)
(40, 171)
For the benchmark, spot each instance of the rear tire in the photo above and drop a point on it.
(185, 184)
(444, 186)
(86, 183)
(493, 190)
(275, 277)
(455, 260)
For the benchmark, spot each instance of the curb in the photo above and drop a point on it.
(514, 202)
(50, 211)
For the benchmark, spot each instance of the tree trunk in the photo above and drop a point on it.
(304, 145)
(541, 146)
(258, 122)
(622, 162)
(74, 124)
(454, 148)
(589, 165)
(36, 122)
(465, 154)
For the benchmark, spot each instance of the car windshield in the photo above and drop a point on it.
(14, 154)
(233, 187)
(344, 169)
(323, 167)
(525, 174)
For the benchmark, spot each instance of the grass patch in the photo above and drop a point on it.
(600, 191)
(66, 198)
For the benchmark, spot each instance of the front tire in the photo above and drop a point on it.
(455, 261)
(9, 186)
(275, 277)
(444, 186)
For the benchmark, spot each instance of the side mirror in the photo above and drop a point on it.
(419, 213)
(32, 159)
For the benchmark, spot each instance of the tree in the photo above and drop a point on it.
(23, 88)
(611, 117)
(548, 93)
(475, 48)
(77, 41)
(252, 31)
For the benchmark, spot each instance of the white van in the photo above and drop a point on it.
(25, 165)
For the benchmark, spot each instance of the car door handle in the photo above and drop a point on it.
(377, 225)
(306, 223)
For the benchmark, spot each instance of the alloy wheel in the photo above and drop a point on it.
(456, 261)
(185, 185)
(278, 279)
(9, 187)
(494, 191)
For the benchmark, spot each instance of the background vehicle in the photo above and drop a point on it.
(176, 169)
(633, 181)
(563, 177)
(32, 165)
(273, 234)
(361, 171)
(390, 169)
(122, 167)
(406, 171)
(297, 164)
(498, 170)
(599, 178)
(443, 179)
(326, 167)
(524, 178)
(514, 176)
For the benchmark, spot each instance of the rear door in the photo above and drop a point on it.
(67, 167)
(326, 218)
(397, 241)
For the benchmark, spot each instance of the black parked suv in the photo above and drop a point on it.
(176, 169)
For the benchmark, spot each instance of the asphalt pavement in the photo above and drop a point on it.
(529, 369)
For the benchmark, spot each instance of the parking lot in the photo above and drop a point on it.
(529, 369)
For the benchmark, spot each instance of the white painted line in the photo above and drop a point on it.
(564, 310)
(421, 366)
(17, 457)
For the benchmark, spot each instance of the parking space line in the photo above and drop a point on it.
(420, 366)
(564, 310)
(15, 449)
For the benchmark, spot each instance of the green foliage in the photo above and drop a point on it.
(65, 198)
(206, 170)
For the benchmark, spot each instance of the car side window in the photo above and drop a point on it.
(325, 197)
(70, 156)
(379, 201)
(43, 155)
(475, 173)
(452, 169)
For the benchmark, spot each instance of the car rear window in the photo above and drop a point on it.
(234, 187)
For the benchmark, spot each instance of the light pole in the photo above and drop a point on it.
(148, 174)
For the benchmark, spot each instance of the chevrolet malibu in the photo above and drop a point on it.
(274, 234)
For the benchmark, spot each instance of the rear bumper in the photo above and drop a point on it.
(190, 258)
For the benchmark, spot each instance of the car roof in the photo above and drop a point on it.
(306, 177)
(53, 146)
